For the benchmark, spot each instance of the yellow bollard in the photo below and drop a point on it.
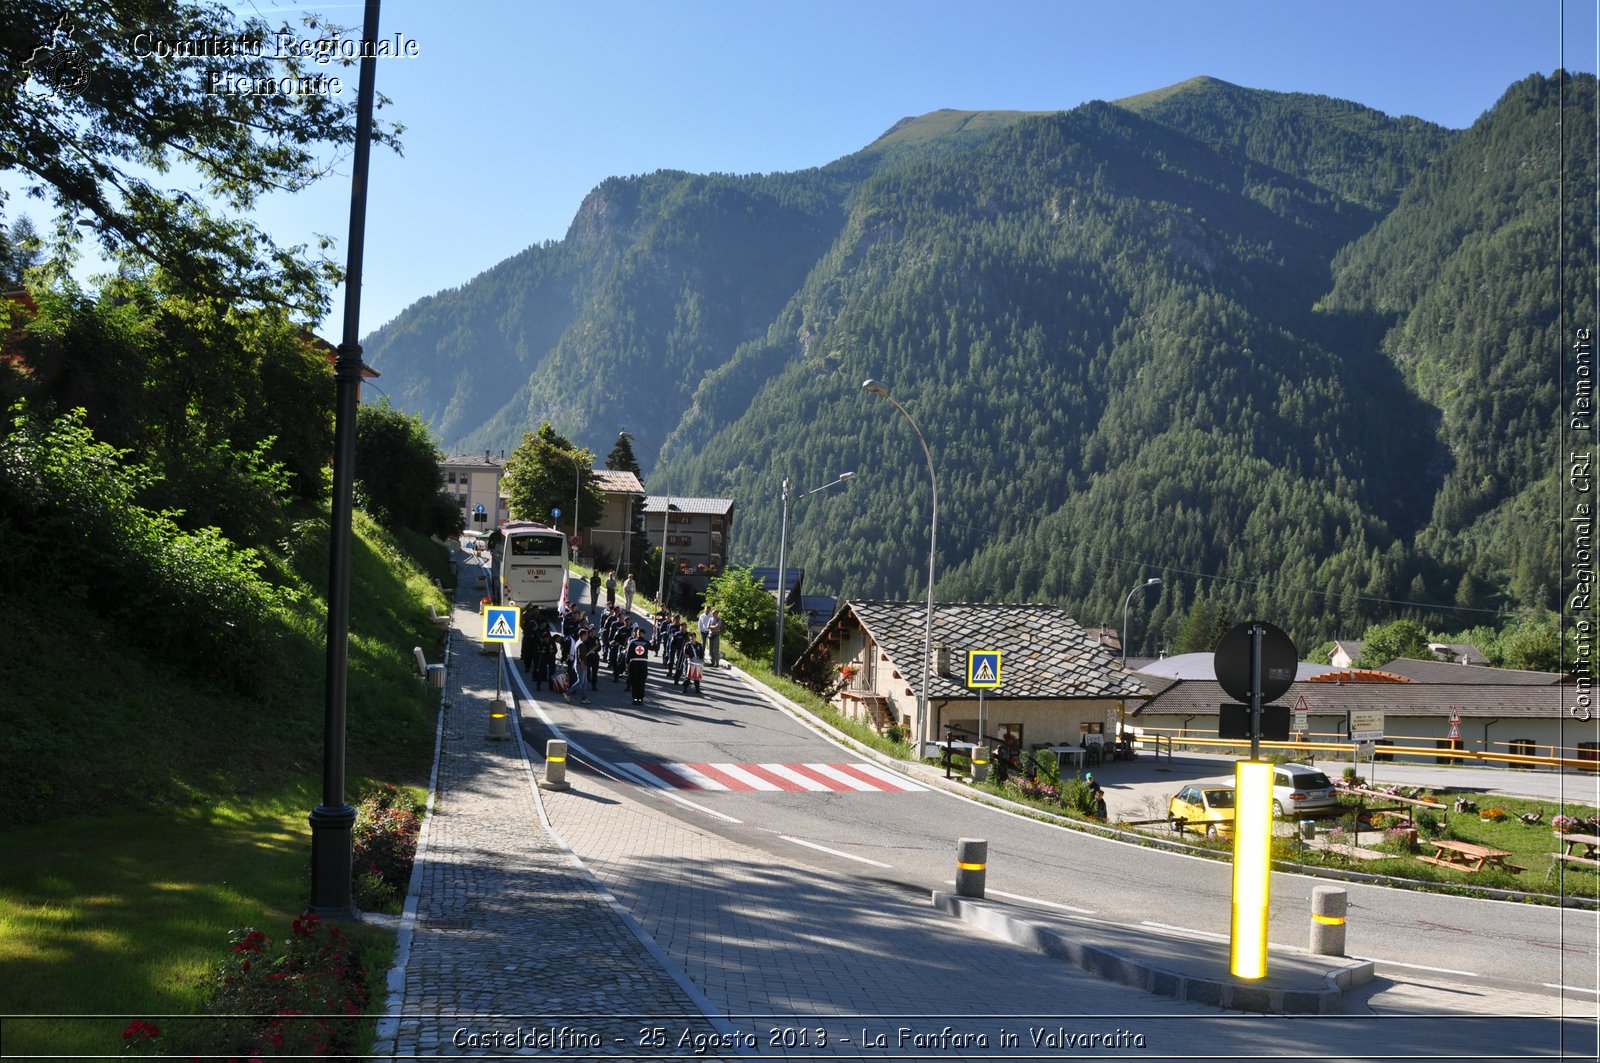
(555, 766)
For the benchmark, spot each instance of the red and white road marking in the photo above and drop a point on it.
(794, 778)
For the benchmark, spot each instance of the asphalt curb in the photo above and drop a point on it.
(999, 920)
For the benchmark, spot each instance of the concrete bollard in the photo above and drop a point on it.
(497, 719)
(1328, 905)
(980, 764)
(972, 863)
(555, 765)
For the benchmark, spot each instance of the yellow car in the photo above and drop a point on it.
(1202, 808)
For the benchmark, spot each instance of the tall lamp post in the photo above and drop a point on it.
(783, 543)
(1151, 582)
(877, 387)
(333, 821)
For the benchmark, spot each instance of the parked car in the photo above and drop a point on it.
(1202, 808)
(1299, 790)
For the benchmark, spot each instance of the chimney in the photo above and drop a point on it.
(941, 658)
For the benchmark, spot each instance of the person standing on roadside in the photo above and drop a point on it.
(714, 638)
(611, 591)
(594, 590)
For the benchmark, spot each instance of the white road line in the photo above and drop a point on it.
(638, 775)
(749, 778)
(1419, 967)
(849, 782)
(1184, 930)
(1030, 900)
(1568, 988)
(804, 781)
(890, 778)
(833, 852)
(699, 778)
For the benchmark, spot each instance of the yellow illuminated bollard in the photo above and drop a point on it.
(497, 719)
(1252, 866)
(980, 763)
(1328, 907)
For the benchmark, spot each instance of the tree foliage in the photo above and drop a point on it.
(96, 121)
(545, 473)
(397, 472)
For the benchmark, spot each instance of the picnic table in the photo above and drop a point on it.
(1465, 856)
(1591, 849)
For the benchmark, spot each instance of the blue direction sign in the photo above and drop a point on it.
(983, 669)
(499, 623)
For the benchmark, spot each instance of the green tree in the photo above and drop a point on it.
(93, 121)
(543, 474)
(1400, 638)
(621, 458)
(397, 471)
(1208, 621)
(749, 611)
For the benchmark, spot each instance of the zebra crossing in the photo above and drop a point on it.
(769, 778)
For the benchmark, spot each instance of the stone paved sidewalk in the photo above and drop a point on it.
(509, 948)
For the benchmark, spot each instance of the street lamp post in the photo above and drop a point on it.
(783, 543)
(877, 387)
(333, 821)
(1151, 582)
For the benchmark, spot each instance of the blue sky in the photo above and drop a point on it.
(515, 109)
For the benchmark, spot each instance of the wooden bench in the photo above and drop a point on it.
(1467, 857)
(1573, 859)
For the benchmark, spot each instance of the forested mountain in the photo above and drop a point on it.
(1290, 354)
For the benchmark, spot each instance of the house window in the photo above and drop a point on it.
(1011, 735)
(1589, 751)
(1523, 747)
(450, 477)
(1446, 743)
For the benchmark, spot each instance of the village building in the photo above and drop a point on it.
(613, 536)
(1425, 705)
(1059, 685)
(692, 534)
(474, 483)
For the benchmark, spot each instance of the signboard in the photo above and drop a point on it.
(1279, 661)
(1233, 722)
(500, 623)
(1302, 714)
(1366, 725)
(983, 669)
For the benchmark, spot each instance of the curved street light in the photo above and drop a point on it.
(1151, 582)
(783, 544)
(877, 387)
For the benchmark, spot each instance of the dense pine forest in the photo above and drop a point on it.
(1296, 357)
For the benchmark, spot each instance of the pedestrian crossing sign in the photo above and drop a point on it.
(983, 668)
(499, 623)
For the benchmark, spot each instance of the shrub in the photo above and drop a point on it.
(387, 824)
(1427, 821)
(288, 1002)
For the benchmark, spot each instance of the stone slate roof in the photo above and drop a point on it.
(1044, 652)
(713, 506)
(1445, 672)
(618, 482)
(1481, 700)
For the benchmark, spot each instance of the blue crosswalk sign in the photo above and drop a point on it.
(983, 668)
(499, 623)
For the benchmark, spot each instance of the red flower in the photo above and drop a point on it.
(141, 1030)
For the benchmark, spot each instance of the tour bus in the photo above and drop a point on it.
(533, 564)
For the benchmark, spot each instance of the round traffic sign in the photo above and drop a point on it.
(1279, 661)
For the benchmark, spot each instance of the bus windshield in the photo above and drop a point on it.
(536, 546)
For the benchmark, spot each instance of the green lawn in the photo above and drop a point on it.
(124, 915)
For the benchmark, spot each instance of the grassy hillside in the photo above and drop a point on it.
(147, 815)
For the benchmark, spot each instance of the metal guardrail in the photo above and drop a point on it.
(1385, 749)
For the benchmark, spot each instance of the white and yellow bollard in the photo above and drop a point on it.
(498, 727)
(555, 766)
(1328, 907)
